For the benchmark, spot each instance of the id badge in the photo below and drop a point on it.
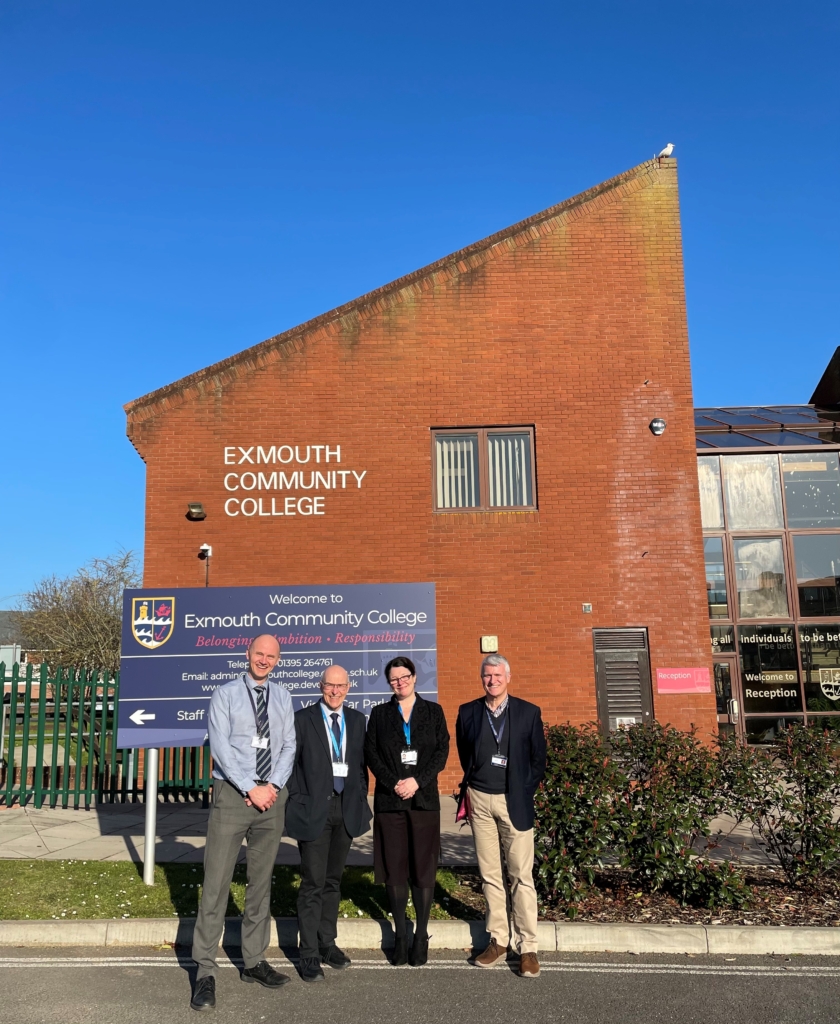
(409, 757)
(260, 742)
(340, 770)
(499, 760)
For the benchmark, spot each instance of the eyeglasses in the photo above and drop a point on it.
(337, 687)
(399, 679)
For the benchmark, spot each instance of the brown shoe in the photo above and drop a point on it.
(491, 956)
(529, 966)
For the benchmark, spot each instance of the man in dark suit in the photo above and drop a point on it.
(501, 746)
(327, 809)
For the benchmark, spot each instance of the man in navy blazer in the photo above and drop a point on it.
(501, 745)
(327, 809)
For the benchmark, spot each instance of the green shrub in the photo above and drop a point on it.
(788, 794)
(574, 812)
(668, 805)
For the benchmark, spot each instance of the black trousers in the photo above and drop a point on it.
(322, 863)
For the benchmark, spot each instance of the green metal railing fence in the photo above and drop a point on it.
(58, 744)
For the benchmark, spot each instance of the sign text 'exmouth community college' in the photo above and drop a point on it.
(284, 479)
(179, 645)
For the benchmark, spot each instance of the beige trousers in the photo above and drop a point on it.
(500, 847)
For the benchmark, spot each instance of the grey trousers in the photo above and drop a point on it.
(231, 821)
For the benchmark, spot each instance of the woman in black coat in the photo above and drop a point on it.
(406, 748)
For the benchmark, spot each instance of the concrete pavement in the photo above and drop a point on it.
(115, 832)
(151, 986)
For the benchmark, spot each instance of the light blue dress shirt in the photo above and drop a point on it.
(231, 729)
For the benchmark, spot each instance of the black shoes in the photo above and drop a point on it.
(310, 966)
(310, 969)
(400, 955)
(335, 958)
(419, 951)
(204, 994)
(265, 975)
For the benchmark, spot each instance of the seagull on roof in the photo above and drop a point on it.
(667, 151)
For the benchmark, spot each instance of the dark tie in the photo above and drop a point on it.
(338, 783)
(263, 756)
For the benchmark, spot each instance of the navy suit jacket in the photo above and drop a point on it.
(526, 757)
(311, 781)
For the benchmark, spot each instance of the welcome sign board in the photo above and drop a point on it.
(181, 644)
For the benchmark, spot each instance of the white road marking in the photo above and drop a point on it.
(555, 967)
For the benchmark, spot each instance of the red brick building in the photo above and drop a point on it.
(542, 354)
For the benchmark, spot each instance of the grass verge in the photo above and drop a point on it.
(85, 890)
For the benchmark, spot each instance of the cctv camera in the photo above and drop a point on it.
(205, 551)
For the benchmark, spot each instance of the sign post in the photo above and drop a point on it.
(152, 763)
(179, 645)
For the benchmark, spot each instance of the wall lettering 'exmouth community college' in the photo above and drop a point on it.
(330, 477)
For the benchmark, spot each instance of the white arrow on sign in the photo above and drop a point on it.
(139, 718)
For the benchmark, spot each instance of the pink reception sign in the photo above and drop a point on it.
(683, 680)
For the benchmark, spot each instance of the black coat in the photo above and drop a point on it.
(385, 742)
(311, 781)
(526, 757)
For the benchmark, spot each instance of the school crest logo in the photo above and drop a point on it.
(152, 620)
(830, 682)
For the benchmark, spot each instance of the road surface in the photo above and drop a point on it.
(124, 986)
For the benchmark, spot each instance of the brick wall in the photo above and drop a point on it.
(573, 321)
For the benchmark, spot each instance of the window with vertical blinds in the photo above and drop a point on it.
(509, 470)
(484, 468)
(457, 471)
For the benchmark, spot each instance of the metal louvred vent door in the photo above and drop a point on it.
(622, 674)
(620, 639)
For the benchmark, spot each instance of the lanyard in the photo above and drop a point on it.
(254, 706)
(407, 725)
(497, 735)
(339, 745)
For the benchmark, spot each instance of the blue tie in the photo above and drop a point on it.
(338, 783)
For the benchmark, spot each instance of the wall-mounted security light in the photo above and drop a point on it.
(195, 512)
(657, 426)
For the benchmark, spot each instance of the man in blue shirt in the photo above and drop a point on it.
(252, 740)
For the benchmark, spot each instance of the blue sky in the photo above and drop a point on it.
(181, 180)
